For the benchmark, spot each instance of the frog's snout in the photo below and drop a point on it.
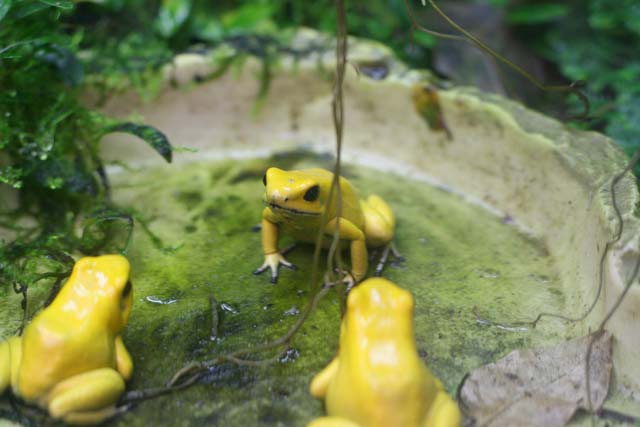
(278, 199)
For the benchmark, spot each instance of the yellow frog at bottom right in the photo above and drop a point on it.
(377, 379)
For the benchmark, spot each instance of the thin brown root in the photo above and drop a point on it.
(618, 417)
(616, 238)
(191, 373)
(600, 330)
(215, 319)
(573, 88)
(416, 26)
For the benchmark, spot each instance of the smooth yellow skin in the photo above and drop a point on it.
(71, 359)
(378, 379)
(362, 223)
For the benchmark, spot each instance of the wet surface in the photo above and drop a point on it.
(458, 257)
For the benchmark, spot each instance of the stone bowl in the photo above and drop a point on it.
(548, 180)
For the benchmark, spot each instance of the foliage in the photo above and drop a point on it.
(598, 44)
(49, 142)
(594, 41)
(181, 23)
(587, 40)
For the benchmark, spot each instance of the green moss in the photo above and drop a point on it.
(458, 257)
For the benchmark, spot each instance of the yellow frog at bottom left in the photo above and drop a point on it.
(71, 359)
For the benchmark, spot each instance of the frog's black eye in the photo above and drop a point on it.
(127, 289)
(312, 194)
(264, 179)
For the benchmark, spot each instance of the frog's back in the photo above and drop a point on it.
(387, 382)
(58, 348)
(381, 398)
(350, 209)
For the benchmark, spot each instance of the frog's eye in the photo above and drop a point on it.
(312, 194)
(264, 179)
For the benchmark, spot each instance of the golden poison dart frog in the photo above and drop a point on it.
(295, 202)
(377, 379)
(71, 360)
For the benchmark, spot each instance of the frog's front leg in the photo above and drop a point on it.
(443, 412)
(358, 246)
(272, 256)
(5, 366)
(332, 422)
(87, 398)
(379, 228)
(320, 383)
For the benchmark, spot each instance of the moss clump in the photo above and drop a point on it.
(458, 257)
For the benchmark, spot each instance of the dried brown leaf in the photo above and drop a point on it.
(539, 387)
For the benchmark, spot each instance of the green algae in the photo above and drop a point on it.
(458, 256)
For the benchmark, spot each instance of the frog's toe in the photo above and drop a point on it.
(261, 269)
(274, 275)
(289, 265)
(348, 280)
(396, 253)
(389, 249)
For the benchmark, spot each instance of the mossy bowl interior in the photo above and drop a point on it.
(504, 215)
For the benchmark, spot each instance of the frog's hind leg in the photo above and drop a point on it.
(320, 383)
(87, 398)
(389, 249)
(332, 422)
(379, 228)
(379, 221)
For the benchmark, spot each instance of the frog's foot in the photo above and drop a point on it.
(273, 261)
(348, 280)
(389, 249)
(87, 398)
(332, 422)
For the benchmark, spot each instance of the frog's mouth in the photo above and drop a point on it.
(290, 210)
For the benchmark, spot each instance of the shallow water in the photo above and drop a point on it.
(458, 257)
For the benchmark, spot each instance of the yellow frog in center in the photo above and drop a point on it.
(378, 379)
(295, 202)
(71, 359)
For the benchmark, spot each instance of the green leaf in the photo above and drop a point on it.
(538, 13)
(253, 17)
(172, 14)
(206, 27)
(65, 61)
(5, 5)
(27, 9)
(424, 39)
(60, 4)
(11, 176)
(152, 136)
